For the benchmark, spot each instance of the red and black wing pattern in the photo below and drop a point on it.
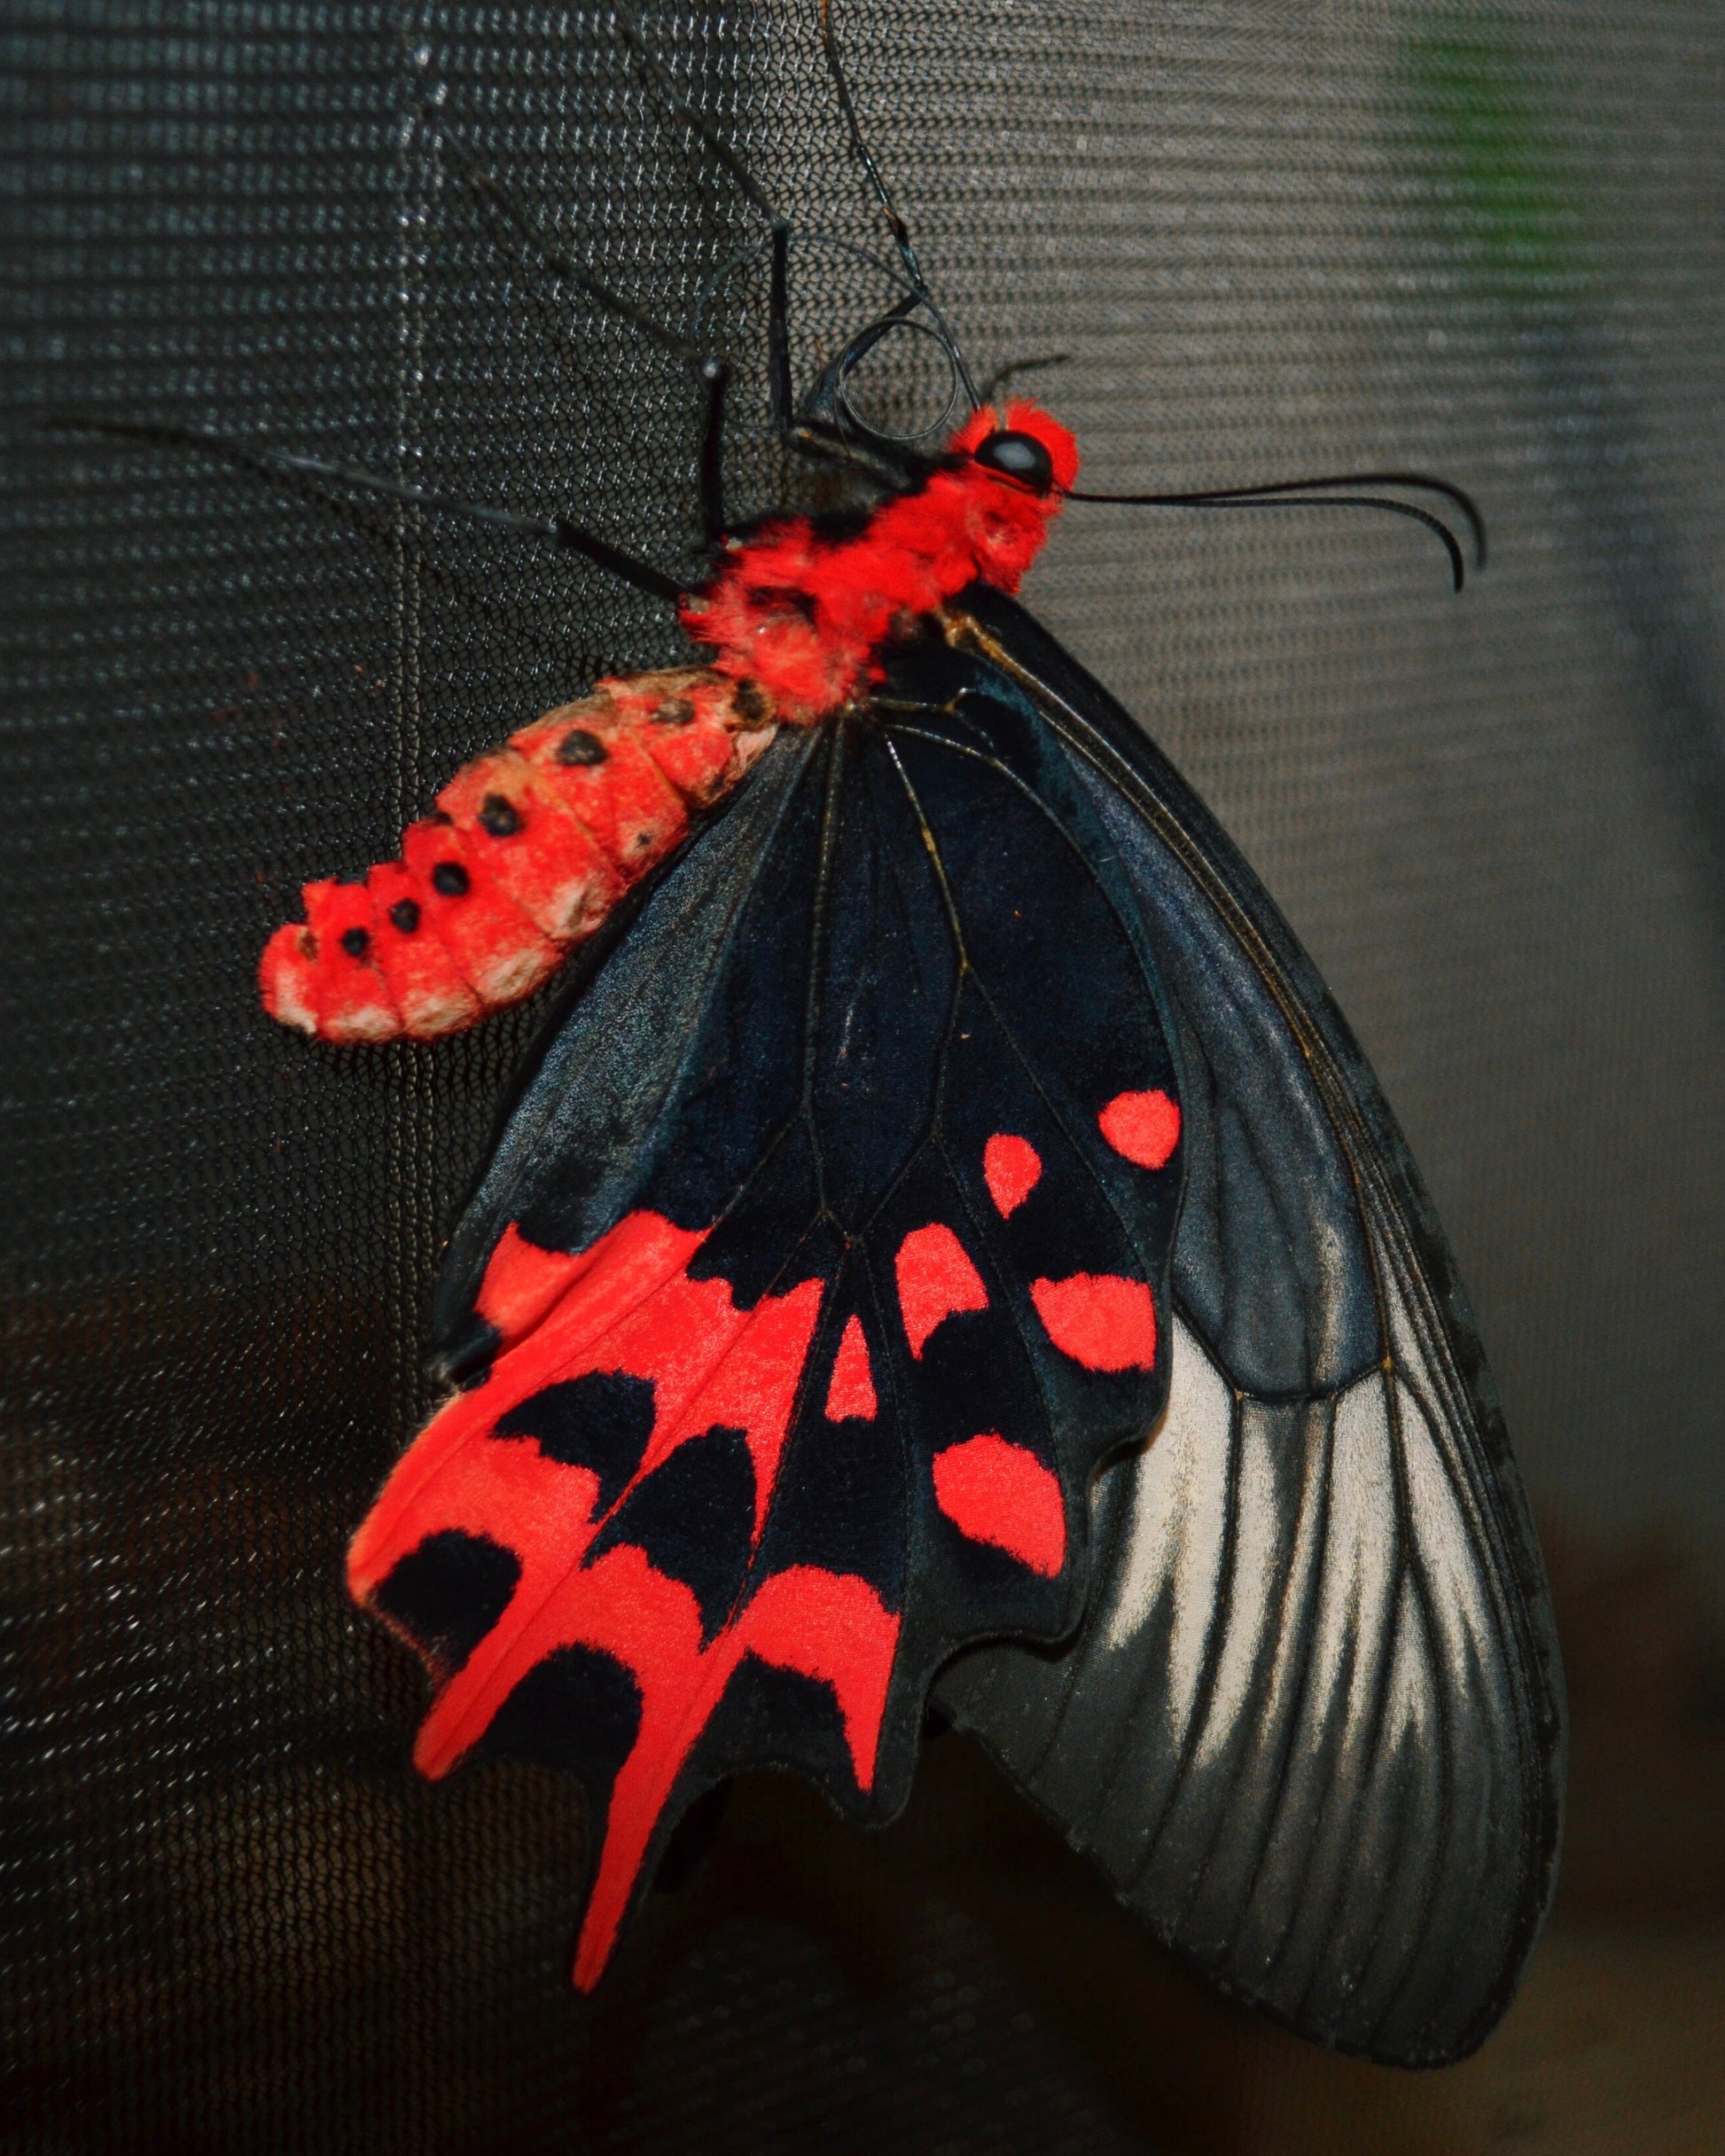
(822, 1260)
(1312, 1728)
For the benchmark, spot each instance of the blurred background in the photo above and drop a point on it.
(1486, 241)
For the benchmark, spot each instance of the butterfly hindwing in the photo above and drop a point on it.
(822, 1260)
(1312, 1728)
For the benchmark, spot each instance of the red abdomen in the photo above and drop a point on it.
(528, 848)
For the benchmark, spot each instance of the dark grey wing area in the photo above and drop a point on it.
(1312, 1728)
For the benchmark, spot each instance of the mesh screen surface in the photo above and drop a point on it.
(1489, 243)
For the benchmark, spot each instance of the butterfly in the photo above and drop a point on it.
(947, 1251)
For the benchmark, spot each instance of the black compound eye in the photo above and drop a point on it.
(1019, 456)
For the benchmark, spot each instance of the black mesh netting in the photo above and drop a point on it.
(1487, 240)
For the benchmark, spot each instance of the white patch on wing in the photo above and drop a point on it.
(1255, 1579)
(1461, 1608)
(1409, 1707)
(1353, 1612)
(1333, 1259)
(1178, 1506)
(1368, 1694)
(1468, 1643)
(1296, 1586)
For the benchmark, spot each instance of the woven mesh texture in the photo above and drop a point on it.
(1490, 242)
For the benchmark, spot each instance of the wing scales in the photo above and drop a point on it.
(1305, 1729)
(763, 1129)
(1312, 1729)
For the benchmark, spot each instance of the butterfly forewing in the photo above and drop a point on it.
(1312, 1728)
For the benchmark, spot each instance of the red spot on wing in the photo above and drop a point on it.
(1143, 1128)
(1012, 1168)
(935, 1281)
(851, 1394)
(627, 1305)
(1099, 1320)
(578, 1314)
(750, 1383)
(522, 1282)
(1001, 1494)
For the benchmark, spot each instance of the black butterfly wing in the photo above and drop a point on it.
(1312, 1729)
(805, 1291)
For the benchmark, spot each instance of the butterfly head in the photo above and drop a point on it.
(1022, 445)
(1012, 470)
(804, 615)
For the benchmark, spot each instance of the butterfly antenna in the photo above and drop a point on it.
(1326, 494)
(889, 209)
(563, 532)
(674, 105)
(671, 101)
(711, 372)
(491, 191)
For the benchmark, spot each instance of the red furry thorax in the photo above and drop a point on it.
(805, 616)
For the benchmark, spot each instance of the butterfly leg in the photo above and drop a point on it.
(710, 371)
